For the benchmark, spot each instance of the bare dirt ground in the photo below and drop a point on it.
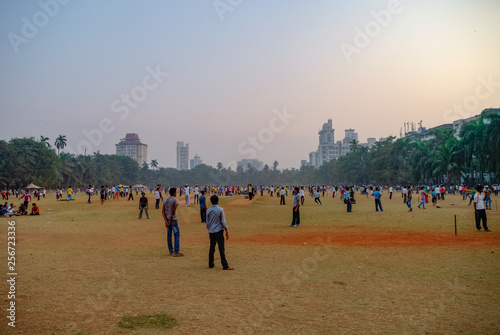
(81, 267)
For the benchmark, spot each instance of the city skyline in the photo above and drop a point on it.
(247, 83)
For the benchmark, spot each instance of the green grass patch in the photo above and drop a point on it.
(340, 283)
(156, 321)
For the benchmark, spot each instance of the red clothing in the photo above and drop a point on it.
(35, 210)
(26, 197)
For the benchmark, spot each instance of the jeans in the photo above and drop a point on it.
(89, 199)
(422, 203)
(316, 200)
(296, 217)
(217, 238)
(481, 216)
(69, 197)
(408, 203)
(145, 209)
(487, 203)
(349, 206)
(378, 204)
(196, 198)
(173, 228)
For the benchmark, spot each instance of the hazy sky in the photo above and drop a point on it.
(214, 73)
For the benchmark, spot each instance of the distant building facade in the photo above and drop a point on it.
(328, 149)
(195, 162)
(182, 156)
(132, 147)
(425, 134)
(255, 163)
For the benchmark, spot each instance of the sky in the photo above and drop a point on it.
(241, 79)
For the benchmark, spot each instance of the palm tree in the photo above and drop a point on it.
(154, 163)
(145, 166)
(45, 140)
(275, 165)
(60, 143)
(354, 146)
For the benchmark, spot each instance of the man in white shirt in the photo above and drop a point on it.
(186, 195)
(480, 211)
(158, 197)
(282, 194)
(404, 194)
(196, 194)
(302, 193)
(390, 192)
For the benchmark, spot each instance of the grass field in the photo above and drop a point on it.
(86, 268)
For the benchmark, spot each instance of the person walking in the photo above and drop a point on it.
(390, 192)
(377, 196)
(26, 198)
(479, 209)
(70, 193)
(422, 197)
(302, 195)
(296, 205)
(130, 194)
(203, 207)
(171, 223)
(408, 197)
(216, 225)
(143, 205)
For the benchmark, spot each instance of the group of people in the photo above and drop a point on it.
(215, 221)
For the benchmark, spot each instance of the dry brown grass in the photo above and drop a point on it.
(94, 264)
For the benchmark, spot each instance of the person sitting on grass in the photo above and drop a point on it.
(22, 210)
(7, 211)
(35, 210)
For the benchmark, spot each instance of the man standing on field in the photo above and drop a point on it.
(296, 205)
(216, 225)
(170, 216)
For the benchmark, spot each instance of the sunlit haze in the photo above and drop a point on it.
(215, 73)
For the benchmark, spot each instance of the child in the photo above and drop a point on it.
(35, 210)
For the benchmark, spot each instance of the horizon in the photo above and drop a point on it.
(218, 77)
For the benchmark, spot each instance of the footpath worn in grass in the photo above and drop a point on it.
(391, 272)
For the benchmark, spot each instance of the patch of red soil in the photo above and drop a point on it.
(372, 239)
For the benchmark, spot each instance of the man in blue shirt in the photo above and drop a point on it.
(296, 205)
(216, 225)
(377, 195)
(203, 207)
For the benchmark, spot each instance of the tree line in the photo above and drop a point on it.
(444, 159)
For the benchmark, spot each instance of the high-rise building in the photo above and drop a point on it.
(328, 149)
(182, 156)
(195, 162)
(132, 147)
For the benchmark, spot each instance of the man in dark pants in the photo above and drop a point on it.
(296, 205)
(203, 207)
(130, 194)
(216, 225)
(479, 209)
